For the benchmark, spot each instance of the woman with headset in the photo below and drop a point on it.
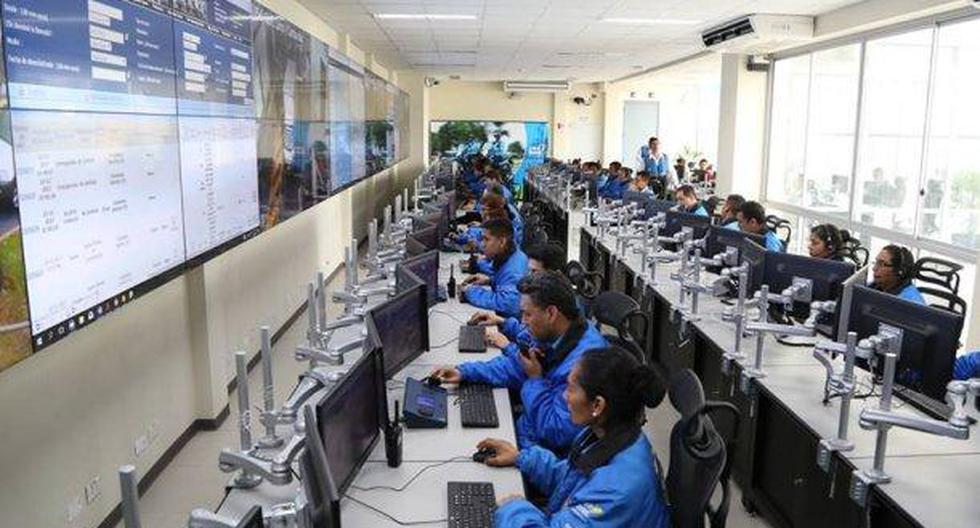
(893, 269)
(826, 242)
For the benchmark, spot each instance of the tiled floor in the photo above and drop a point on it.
(193, 480)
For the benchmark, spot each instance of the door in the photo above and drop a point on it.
(641, 119)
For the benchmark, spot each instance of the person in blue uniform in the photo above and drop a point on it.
(510, 333)
(656, 162)
(967, 366)
(827, 242)
(617, 184)
(610, 478)
(499, 291)
(687, 201)
(539, 375)
(752, 219)
(892, 270)
(729, 211)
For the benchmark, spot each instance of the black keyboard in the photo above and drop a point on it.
(471, 504)
(930, 406)
(476, 406)
(472, 339)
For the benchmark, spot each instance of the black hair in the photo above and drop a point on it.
(499, 227)
(903, 262)
(616, 163)
(736, 201)
(831, 236)
(550, 288)
(495, 188)
(753, 210)
(652, 139)
(626, 385)
(551, 255)
(686, 190)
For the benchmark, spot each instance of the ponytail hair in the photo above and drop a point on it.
(627, 386)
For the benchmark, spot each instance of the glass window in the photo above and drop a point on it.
(893, 120)
(830, 129)
(787, 143)
(951, 202)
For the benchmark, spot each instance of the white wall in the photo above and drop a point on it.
(74, 410)
(578, 130)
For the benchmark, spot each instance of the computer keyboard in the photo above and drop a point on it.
(472, 339)
(933, 408)
(477, 407)
(471, 504)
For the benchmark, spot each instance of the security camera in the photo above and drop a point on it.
(431, 81)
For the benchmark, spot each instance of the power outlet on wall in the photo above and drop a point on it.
(93, 490)
(74, 509)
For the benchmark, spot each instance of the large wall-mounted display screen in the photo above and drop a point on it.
(512, 146)
(141, 137)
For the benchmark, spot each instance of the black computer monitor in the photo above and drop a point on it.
(676, 221)
(317, 476)
(252, 519)
(349, 419)
(450, 198)
(402, 325)
(930, 337)
(827, 277)
(413, 247)
(405, 279)
(425, 267)
(755, 255)
(719, 238)
(428, 236)
(649, 203)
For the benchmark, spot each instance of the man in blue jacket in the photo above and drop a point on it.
(687, 200)
(539, 374)
(498, 292)
(752, 219)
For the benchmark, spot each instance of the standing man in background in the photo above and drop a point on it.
(656, 162)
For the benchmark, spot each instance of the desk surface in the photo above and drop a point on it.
(425, 498)
(934, 478)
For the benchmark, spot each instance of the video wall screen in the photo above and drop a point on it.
(142, 137)
(511, 146)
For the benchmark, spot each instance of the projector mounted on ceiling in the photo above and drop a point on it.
(537, 86)
(758, 34)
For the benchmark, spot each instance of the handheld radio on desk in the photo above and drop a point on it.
(425, 405)
(393, 439)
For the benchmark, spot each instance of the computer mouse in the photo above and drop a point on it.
(432, 381)
(482, 455)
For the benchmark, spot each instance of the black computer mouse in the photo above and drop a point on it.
(432, 381)
(482, 455)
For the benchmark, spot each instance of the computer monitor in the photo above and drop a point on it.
(436, 218)
(930, 337)
(349, 419)
(719, 238)
(322, 496)
(405, 279)
(648, 202)
(676, 221)
(755, 255)
(859, 278)
(413, 247)
(425, 267)
(402, 325)
(450, 198)
(428, 236)
(826, 276)
(252, 519)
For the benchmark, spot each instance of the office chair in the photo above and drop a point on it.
(782, 228)
(699, 460)
(853, 250)
(946, 275)
(622, 312)
(586, 282)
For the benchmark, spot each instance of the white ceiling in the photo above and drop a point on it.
(539, 39)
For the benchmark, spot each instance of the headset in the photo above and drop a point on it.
(903, 262)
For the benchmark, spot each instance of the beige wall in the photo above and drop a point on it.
(74, 411)
(578, 129)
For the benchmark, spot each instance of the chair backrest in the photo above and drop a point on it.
(586, 282)
(699, 461)
(628, 345)
(855, 252)
(621, 312)
(946, 276)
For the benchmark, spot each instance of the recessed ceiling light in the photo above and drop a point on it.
(413, 16)
(651, 21)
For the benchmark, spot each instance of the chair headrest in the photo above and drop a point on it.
(686, 393)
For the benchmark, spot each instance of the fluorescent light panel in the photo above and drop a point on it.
(411, 16)
(651, 21)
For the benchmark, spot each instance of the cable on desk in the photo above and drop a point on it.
(449, 342)
(795, 344)
(393, 519)
(418, 474)
(447, 314)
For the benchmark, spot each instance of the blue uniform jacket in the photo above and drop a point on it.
(773, 243)
(519, 335)
(658, 167)
(502, 295)
(614, 189)
(967, 366)
(911, 293)
(546, 420)
(698, 210)
(472, 234)
(625, 493)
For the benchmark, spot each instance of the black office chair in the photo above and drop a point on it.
(855, 252)
(945, 275)
(622, 312)
(586, 282)
(782, 228)
(699, 456)
(628, 345)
